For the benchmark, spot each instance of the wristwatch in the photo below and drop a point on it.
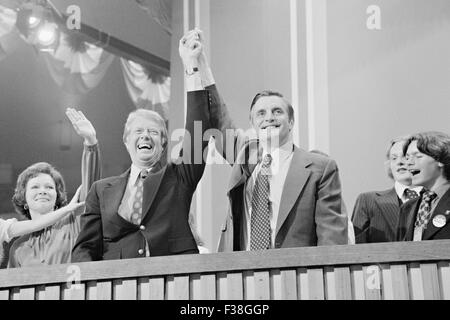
(190, 71)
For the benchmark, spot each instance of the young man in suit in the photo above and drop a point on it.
(427, 217)
(144, 212)
(375, 215)
(280, 195)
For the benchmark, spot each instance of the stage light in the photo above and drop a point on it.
(47, 38)
(47, 34)
(33, 22)
(30, 17)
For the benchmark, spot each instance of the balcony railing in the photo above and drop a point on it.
(419, 270)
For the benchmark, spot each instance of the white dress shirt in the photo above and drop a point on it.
(400, 190)
(281, 161)
(126, 205)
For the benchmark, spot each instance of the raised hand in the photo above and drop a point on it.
(82, 126)
(190, 48)
(74, 204)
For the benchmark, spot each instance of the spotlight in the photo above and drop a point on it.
(33, 22)
(30, 17)
(23, 21)
(47, 38)
(47, 34)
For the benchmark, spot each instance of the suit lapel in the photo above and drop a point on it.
(389, 207)
(412, 207)
(113, 193)
(296, 179)
(245, 164)
(151, 187)
(441, 209)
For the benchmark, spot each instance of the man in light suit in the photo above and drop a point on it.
(375, 215)
(427, 217)
(303, 190)
(144, 212)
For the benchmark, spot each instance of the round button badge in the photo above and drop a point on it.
(439, 221)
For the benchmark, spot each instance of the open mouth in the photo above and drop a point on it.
(271, 126)
(145, 146)
(414, 171)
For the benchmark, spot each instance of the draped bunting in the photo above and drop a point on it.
(160, 10)
(77, 68)
(8, 36)
(146, 89)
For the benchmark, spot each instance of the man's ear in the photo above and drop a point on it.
(291, 124)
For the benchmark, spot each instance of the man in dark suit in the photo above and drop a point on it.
(375, 215)
(144, 211)
(280, 195)
(427, 217)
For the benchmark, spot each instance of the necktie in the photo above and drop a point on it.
(424, 213)
(260, 220)
(410, 194)
(136, 216)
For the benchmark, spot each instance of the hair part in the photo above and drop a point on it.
(434, 144)
(19, 197)
(269, 93)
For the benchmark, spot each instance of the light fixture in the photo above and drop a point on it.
(37, 25)
(33, 21)
(47, 34)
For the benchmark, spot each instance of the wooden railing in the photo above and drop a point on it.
(400, 270)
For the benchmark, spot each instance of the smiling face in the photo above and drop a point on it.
(270, 118)
(425, 170)
(40, 194)
(144, 141)
(398, 165)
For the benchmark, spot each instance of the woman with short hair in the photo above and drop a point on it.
(40, 196)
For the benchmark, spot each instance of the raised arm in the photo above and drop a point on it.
(191, 163)
(13, 228)
(90, 161)
(227, 137)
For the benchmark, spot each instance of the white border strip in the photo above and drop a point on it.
(294, 70)
(310, 74)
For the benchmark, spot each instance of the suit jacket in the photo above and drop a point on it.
(168, 191)
(310, 208)
(375, 216)
(408, 214)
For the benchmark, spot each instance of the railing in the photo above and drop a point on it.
(419, 270)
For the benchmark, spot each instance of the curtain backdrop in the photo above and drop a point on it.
(147, 89)
(77, 67)
(9, 38)
(160, 10)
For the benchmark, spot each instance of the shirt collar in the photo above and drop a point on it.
(441, 190)
(280, 153)
(134, 173)
(400, 189)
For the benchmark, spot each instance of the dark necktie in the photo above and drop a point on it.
(424, 213)
(410, 194)
(260, 233)
(136, 216)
